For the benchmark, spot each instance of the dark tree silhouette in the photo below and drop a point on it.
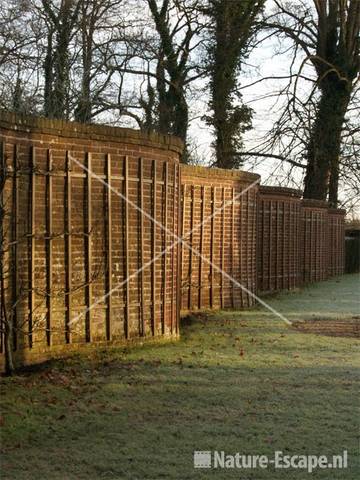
(231, 28)
(328, 34)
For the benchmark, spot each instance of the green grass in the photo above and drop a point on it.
(237, 381)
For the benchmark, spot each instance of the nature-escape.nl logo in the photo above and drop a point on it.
(220, 459)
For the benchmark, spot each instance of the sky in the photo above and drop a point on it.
(262, 63)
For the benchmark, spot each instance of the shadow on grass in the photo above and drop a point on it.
(235, 382)
(139, 414)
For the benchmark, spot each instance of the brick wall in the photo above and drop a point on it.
(314, 244)
(74, 240)
(336, 236)
(278, 239)
(299, 241)
(218, 221)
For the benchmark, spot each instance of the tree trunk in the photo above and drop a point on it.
(164, 109)
(61, 83)
(221, 103)
(334, 185)
(232, 27)
(84, 107)
(223, 148)
(173, 111)
(181, 114)
(222, 128)
(181, 128)
(49, 76)
(84, 104)
(321, 177)
(223, 81)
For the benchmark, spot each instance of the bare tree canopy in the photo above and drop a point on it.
(328, 34)
(177, 66)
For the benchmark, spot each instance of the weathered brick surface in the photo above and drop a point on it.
(336, 238)
(314, 243)
(299, 241)
(66, 240)
(278, 239)
(224, 232)
(72, 239)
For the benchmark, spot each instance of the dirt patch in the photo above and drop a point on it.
(333, 328)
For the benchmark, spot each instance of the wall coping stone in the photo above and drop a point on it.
(61, 128)
(283, 191)
(313, 203)
(219, 173)
(337, 211)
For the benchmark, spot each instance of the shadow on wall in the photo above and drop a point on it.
(352, 249)
(83, 239)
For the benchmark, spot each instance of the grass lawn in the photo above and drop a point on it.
(236, 381)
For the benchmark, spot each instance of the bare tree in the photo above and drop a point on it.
(61, 21)
(177, 26)
(20, 47)
(328, 34)
(95, 17)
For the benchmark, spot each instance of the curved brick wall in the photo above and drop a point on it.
(227, 240)
(279, 211)
(73, 240)
(336, 236)
(73, 234)
(314, 244)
